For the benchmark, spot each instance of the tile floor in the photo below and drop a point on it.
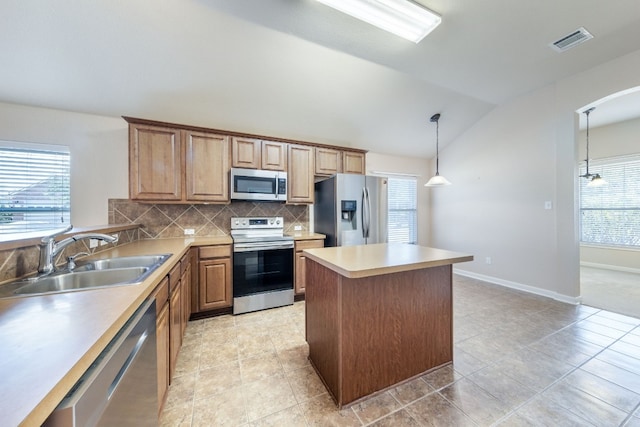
(519, 360)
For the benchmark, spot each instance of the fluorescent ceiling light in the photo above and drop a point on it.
(403, 18)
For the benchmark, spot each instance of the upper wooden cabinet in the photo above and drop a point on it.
(328, 161)
(258, 154)
(206, 167)
(177, 166)
(155, 163)
(300, 175)
(353, 162)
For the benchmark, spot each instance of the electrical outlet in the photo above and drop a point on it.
(189, 231)
(103, 243)
(93, 243)
(297, 228)
(487, 260)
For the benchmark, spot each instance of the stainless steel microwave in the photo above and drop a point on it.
(255, 184)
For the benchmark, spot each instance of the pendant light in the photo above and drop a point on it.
(437, 180)
(596, 180)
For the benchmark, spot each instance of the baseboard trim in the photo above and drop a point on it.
(520, 287)
(610, 267)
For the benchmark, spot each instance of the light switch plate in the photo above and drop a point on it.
(548, 205)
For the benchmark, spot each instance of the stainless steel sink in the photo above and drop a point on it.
(83, 280)
(122, 262)
(91, 274)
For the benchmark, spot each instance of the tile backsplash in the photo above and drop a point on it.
(167, 220)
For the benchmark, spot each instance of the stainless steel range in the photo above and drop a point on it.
(262, 264)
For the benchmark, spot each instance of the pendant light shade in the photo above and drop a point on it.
(437, 180)
(596, 180)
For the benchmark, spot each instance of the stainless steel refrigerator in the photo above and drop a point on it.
(351, 209)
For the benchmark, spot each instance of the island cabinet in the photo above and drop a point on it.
(161, 295)
(214, 281)
(299, 273)
(353, 162)
(300, 174)
(253, 153)
(174, 165)
(377, 315)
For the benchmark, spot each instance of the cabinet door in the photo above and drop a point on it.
(175, 329)
(162, 346)
(300, 273)
(353, 162)
(206, 167)
(245, 153)
(328, 161)
(300, 175)
(155, 163)
(274, 156)
(185, 281)
(215, 284)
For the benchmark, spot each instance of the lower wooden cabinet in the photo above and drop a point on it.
(175, 318)
(185, 286)
(214, 281)
(299, 273)
(162, 340)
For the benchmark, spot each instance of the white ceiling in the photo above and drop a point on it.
(297, 69)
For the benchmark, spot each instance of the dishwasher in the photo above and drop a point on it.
(120, 387)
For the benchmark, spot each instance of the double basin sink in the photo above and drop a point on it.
(90, 274)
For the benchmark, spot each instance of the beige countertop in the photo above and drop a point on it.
(47, 342)
(382, 258)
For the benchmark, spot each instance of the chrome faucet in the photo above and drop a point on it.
(49, 248)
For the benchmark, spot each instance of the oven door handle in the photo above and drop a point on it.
(252, 247)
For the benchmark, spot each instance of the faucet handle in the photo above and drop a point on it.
(71, 260)
(50, 237)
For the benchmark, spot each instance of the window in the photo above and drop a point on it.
(402, 226)
(610, 215)
(34, 187)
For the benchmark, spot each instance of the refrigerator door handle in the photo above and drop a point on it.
(367, 210)
(364, 213)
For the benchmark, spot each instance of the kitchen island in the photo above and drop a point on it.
(378, 315)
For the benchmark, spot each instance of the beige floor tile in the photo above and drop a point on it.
(534, 369)
(188, 360)
(181, 391)
(411, 391)
(501, 386)
(177, 416)
(376, 407)
(293, 358)
(442, 377)
(608, 392)
(267, 396)
(217, 379)
(434, 410)
(322, 412)
(226, 408)
(260, 367)
(612, 373)
(289, 417)
(475, 402)
(253, 345)
(546, 413)
(219, 354)
(585, 405)
(305, 384)
(400, 418)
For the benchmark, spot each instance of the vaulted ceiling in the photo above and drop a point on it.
(296, 68)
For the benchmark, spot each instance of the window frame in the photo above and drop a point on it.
(413, 237)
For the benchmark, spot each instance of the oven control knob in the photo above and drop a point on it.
(277, 222)
(270, 222)
(237, 222)
(244, 222)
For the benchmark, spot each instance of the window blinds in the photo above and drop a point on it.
(402, 213)
(610, 215)
(34, 187)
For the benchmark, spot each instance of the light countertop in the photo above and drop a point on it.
(305, 235)
(47, 342)
(382, 258)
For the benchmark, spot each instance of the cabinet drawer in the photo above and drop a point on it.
(162, 295)
(309, 244)
(215, 251)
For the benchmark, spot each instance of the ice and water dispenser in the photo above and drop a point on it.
(349, 208)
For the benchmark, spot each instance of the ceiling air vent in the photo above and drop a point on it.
(567, 42)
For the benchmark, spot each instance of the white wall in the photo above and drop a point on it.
(505, 167)
(618, 139)
(99, 153)
(380, 163)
